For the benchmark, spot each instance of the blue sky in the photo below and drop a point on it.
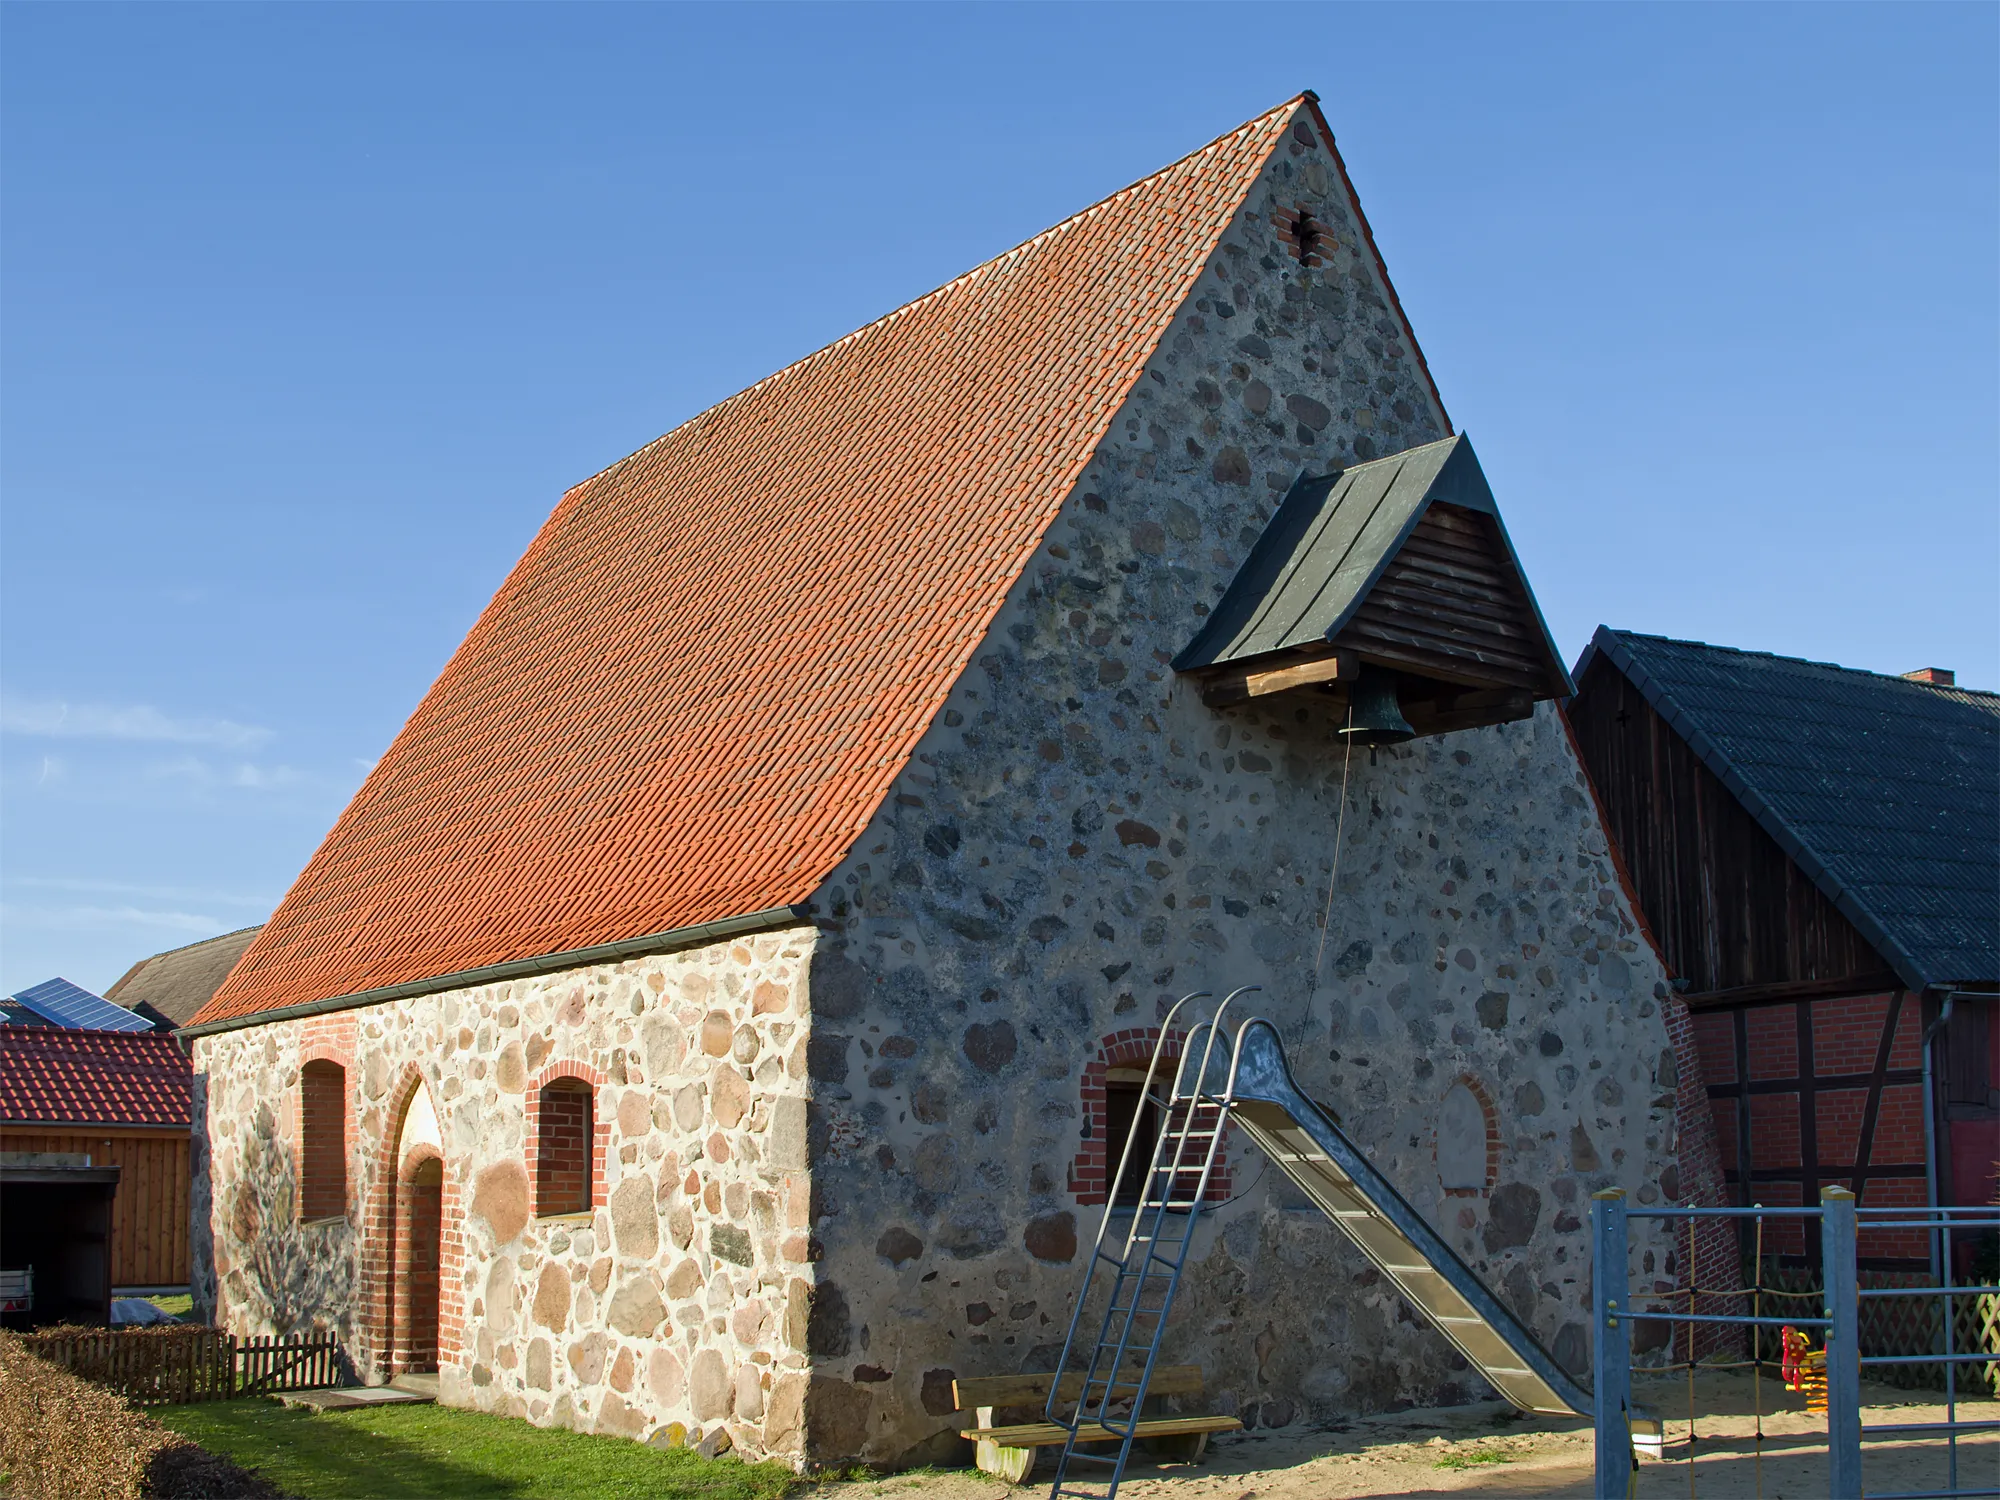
(309, 314)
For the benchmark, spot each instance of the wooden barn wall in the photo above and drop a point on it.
(149, 1219)
(1729, 908)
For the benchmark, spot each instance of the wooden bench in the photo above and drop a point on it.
(1006, 1450)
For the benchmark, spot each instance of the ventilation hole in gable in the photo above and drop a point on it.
(1306, 237)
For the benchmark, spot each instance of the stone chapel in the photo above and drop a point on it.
(719, 1005)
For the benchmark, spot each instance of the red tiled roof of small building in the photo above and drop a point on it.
(697, 686)
(66, 1075)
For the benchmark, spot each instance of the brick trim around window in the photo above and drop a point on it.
(600, 1132)
(325, 1180)
(1490, 1113)
(1091, 1170)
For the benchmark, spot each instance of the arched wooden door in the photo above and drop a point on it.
(420, 1225)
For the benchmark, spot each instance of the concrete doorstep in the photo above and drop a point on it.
(404, 1390)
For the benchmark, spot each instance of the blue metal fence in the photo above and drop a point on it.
(1840, 1222)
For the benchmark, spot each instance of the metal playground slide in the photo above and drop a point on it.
(1244, 1080)
(1302, 1139)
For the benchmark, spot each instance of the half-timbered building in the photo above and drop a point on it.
(1817, 852)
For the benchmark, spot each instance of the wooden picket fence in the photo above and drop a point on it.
(162, 1366)
(291, 1363)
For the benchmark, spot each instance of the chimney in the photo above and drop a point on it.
(1935, 676)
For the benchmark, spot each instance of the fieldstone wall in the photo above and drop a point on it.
(1078, 841)
(678, 1307)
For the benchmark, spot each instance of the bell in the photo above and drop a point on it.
(1374, 717)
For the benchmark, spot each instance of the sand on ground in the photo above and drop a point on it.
(1488, 1449)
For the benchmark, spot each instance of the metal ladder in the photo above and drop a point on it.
(1146, 1267)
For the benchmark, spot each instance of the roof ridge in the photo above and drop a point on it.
(904, 309)
(197, 943)
(1804, 661)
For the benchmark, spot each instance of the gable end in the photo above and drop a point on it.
(1733, 912)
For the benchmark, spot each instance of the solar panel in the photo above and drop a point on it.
(68, 1004)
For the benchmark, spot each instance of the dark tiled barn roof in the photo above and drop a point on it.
(177, 983)
(1886, 792)
(698, 685)
(60, 1075)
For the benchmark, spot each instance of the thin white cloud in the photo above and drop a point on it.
(52, 719)
(247, 774)
(90, 887)
(263, 778)
(74, 918)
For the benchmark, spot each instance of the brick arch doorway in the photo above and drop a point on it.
(419, 1257)
(416, 1238)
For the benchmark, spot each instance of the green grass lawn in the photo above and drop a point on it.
(420, 1452)
(181, 1306)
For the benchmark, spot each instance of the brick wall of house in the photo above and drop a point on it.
(1846, 1044)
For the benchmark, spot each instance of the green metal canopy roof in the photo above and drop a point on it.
(1329, 544)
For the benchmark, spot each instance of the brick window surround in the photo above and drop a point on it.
(1491, 1115)
(322, 1140)
(568, 1138)
(326, 1136)
(1096, 1159)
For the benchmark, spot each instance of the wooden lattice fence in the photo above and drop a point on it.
(177, 1365)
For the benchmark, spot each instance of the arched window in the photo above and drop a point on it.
(563, 1141)
(1468, 1139)
(322, 1141)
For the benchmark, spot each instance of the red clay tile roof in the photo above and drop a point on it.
(65, 1075)
(699, 683)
